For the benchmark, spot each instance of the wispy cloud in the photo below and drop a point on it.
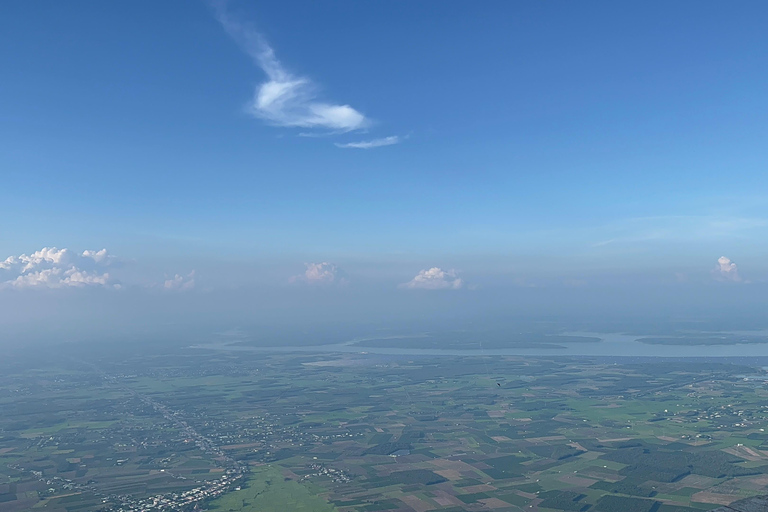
(286, 99)
(678, 227)
(435, 278)
(369, 144)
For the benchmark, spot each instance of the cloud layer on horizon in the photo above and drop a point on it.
(435, 278)
(54, 268)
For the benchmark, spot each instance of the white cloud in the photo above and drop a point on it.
(286, 99)
(179, 282)
(435, 279)
(320, 273)
(727, 270)
(98, 256)
(57, 268)
(369, 144)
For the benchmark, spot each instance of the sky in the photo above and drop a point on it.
(251, 160)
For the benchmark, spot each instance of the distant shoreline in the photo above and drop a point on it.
(609, 345)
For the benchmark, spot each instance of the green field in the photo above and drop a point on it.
(267, 490)
(178, 429)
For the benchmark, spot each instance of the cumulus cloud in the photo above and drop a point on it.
(369, 144)
(286, 99)
(435, 278)
(320, 273)
(180, 282)
(51, 267)
(726, 270)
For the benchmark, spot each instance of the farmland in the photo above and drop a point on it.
(187, 429)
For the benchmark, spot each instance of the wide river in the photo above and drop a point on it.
(610, 345)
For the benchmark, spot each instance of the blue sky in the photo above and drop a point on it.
(527, 143)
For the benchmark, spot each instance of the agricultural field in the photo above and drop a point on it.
(192, 429)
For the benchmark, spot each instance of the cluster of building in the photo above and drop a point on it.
(190, 500)
(336, 475)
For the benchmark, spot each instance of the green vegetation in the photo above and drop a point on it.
(557, 452)
(627, 486)
(411, 476)
(668, 466)
(246, 431)
(564, 500)
(387, 448)
(268, 491)
(615, 503)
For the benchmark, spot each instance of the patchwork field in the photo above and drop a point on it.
(189, 429)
